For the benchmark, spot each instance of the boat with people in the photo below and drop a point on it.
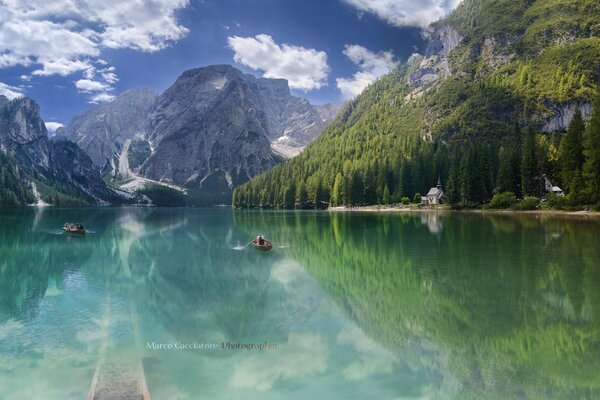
(262, 244)
(76, 229)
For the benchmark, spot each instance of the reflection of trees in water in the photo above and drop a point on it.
(511, 303)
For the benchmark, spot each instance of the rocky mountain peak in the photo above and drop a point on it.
(21, 122)
(214, 127)
(3, 100)
(102, 131)
(61, 167)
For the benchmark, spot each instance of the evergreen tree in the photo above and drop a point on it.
(466, 174)
(370, 189)
(404, 183)
(386, 195)
(336, 192)
(506, 181)
(289, 196)
(571, 152)
(591, 151)
(577, 193)
(453, 185)
(529, 165)
(301, 193)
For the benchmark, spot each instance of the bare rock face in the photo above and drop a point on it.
(23, 133)
(435, 65)
(561, 115)
(495, 54)
(102, 131)
(215, 127)
(216, 123)
(211, 121)
(58, 164)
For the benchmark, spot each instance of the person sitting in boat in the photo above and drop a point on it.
(260, 240)
(79, 227)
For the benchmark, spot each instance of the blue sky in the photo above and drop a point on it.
(71, 54)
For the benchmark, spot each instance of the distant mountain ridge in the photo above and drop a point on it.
(103, 130)
(39, 170)
(214, 128)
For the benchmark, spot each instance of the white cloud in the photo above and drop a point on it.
(371, 66)
(62, 67)
(62, 37)
(11, 92)
(304, 354)
(98, 81)
(305, 69)
(53, 126)
(88, 85)
(146, 25)
(406, 12)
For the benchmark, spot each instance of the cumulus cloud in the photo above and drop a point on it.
(406, 12)
(371, 66)
(12, 92)
(53, 126)
(305, 69)
(305, 354)
(88, 85)
(149, 25)
(63, 37)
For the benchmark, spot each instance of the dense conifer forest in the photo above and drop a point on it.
(480, 129)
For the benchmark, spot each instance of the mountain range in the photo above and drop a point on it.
(36, 169)
(214, 128)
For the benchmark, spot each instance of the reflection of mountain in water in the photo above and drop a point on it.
(176, 267)
(487, 302)
(198, 283)
(31, 258)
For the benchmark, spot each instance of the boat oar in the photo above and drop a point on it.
(244, 246)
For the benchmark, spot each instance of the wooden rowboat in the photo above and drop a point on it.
(266, 246)
(74, 230)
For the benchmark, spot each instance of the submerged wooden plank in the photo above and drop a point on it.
(119, 379)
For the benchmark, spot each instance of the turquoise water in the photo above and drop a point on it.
(351, 306)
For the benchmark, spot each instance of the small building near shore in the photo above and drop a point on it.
(434, 196)
(550, 188)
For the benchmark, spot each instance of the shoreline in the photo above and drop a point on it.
(365, 209)
(388, 209)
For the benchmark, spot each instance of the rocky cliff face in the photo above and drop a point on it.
(543, 52)
(23, 134)
(103, 131)
(435, 64)
(213, 128)
(218, 122)
(210, 122)
(60, 166)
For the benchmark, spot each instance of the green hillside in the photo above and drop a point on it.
(519, 63)
(13, 189)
